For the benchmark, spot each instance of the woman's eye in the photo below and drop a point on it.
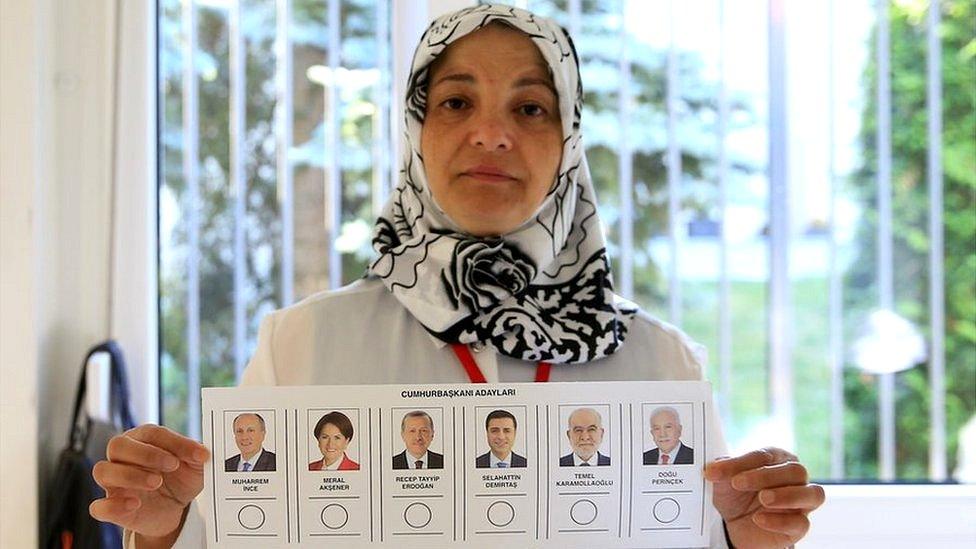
(531, 109)
(454, 103)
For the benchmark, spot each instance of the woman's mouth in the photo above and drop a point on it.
(488, 173)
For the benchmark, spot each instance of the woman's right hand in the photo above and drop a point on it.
(150, 476)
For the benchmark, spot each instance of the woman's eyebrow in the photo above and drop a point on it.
(523, 82)
(455, 77)
(535, 81)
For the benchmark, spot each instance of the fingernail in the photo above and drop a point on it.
(154, 481)
(740, 483)
(170, 463)
(759, 519)
(200, 455)
(131, 504)
(767, 497)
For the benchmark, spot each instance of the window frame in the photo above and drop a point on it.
(135, 303)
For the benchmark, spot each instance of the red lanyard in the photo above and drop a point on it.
(474, 372)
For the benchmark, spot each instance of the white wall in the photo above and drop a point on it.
(56, 121)
(23, 28)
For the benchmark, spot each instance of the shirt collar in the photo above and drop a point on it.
(412, 461)
(673, 453)
(594, 459)
(334, 466)
(253, 461)
(493, 460)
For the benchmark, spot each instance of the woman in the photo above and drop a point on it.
(333, 432)
(490, 256)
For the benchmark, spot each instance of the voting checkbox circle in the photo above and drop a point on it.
(251, 517)
(417, 515)
(583, 512)
(501, 513)
(666, 510)
(334, 516)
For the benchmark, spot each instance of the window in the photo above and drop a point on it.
(771, 177)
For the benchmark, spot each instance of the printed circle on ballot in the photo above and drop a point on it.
(583, 512)
(251, 517)
(666, 510)
(334, 516)
(417, 515)
(501, 514)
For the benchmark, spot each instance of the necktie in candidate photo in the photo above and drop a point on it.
(664, 459)
(247, 467)
(419, 464)
(502, 465)
(585, 464)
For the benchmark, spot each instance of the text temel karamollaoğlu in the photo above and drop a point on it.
(567, 465)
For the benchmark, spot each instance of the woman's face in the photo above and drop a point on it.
(332, 443)
(492, 138)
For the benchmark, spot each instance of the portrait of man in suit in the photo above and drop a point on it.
(666, 432)
(417, 432)
(500, 430)
(249, 433)
(585, 433)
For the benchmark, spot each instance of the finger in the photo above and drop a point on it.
(805, 498)
(114, 509)
(125, 449)
(790, 473)
(110, 475)
(794, 525)
(180, 446)
(724, 469)
(113, 492)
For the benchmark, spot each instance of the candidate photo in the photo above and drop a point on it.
(500, 431)
(417, 432)
(666, 432)
(584, 429)
(333, 432)
(249, 433)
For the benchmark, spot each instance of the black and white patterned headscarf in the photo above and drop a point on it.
(541, 292)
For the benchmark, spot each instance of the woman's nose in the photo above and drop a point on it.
(491, 134)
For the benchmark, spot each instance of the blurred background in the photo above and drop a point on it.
(713, 226)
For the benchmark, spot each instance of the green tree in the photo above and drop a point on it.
(910, 207)
(262, 222)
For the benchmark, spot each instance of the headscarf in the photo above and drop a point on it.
(540, 293)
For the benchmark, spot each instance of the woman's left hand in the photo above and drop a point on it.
(764, 497)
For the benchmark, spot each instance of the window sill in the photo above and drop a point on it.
(895, 516)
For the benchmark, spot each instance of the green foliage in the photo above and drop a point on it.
(262, 223)
(910, 206)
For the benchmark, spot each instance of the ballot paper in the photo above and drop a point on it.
(608, 464)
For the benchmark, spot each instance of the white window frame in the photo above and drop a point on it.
(865, 516)
(135, 314)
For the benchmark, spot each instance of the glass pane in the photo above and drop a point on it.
(831, 119)
(358, 76)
